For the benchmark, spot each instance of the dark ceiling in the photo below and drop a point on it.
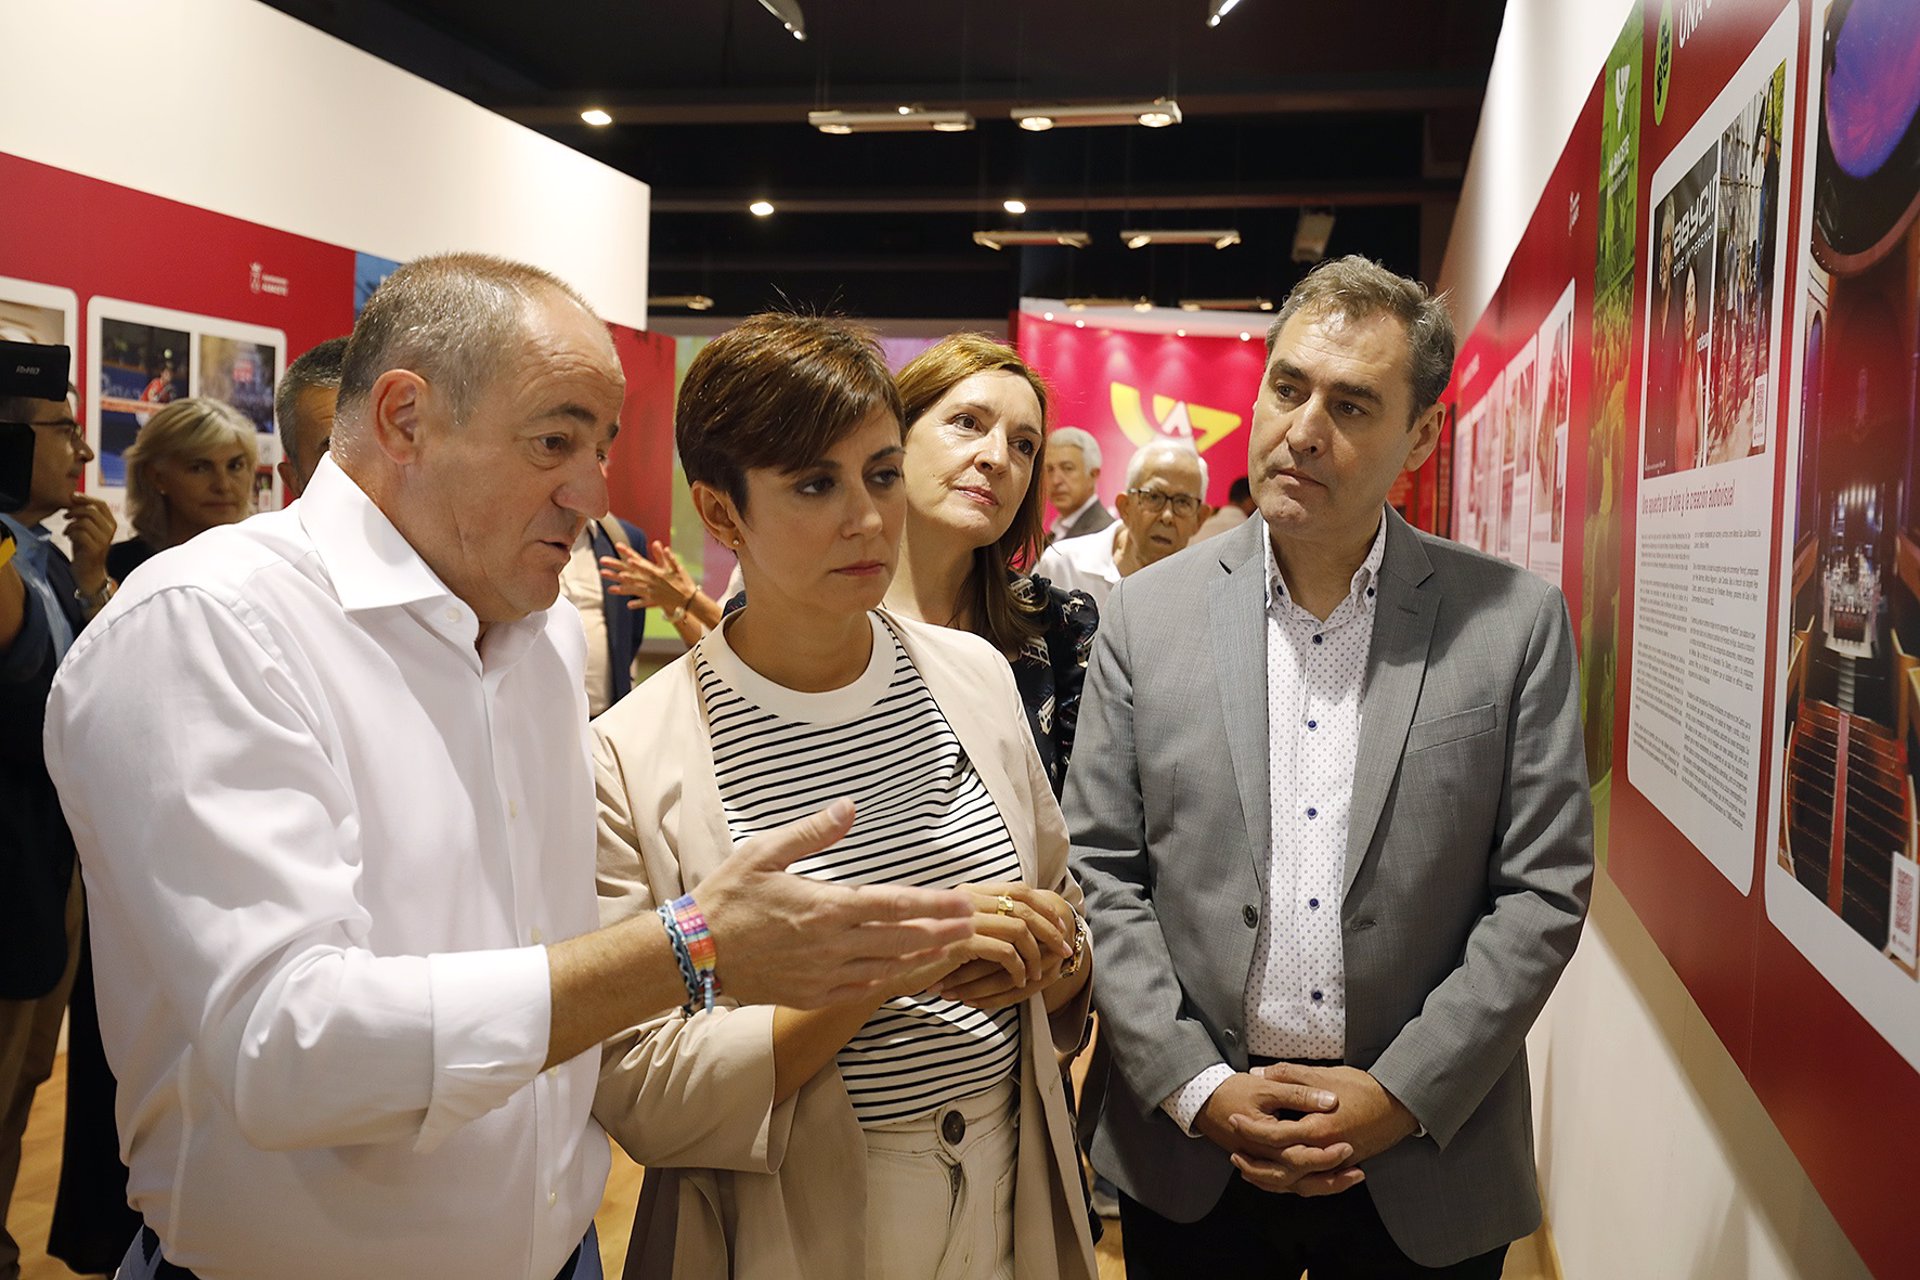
(1364, 107)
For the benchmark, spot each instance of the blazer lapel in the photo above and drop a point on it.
(1237, 611)
(1408, 603)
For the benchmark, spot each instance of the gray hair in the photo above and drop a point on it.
(449, 318)
(1083, 441)
(319, 367)
(1165, 445)
(184, 426)
(1356, 288)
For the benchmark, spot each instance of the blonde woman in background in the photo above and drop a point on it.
(190, 468)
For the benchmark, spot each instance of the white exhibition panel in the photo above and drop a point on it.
(234, 107)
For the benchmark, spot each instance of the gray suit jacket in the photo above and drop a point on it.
(1092, 520)
(1469, 860)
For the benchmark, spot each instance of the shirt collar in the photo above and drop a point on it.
(1078, 511)
(1363, 577)
(34, 541)
(371, 564)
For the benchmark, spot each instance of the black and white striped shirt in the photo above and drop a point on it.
(924, 819)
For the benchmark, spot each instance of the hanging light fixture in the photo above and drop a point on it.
(788, 11)
(899, 120)
(1157, 114)
(1001, 239)
(1140, 238)
(1216, 10)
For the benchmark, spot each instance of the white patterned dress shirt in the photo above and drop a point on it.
(324, 838)
(1316, 671)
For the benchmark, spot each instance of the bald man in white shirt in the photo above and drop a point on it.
(328, 778)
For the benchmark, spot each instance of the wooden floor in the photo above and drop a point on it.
(1530, 1259)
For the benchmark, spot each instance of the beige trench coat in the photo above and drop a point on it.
(739, 1187)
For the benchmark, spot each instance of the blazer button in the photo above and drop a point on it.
(1230, 1035)
(1251, 914)
(953, 1127)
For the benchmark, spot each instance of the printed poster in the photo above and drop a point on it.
(1842, 884)
(1548, 434)
(1705, 528)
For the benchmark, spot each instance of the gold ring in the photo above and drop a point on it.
(1006, 904)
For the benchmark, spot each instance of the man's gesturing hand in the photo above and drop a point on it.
(1278, 1153)
(781, 938)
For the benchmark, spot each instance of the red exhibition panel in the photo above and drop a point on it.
(1747, 586)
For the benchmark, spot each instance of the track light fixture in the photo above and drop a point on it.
(680, 301)
(1226, 304)
(1218, 9)
(788, 11)
(899, 120)
(1001, 239)
(1157, 114)
(1140, 238)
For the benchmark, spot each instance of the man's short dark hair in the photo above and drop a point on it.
(1239, 490)
(777, 391)
(1357, 288)
(318, 367)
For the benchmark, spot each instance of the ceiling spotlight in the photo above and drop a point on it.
(1218, 9)
(1245, 336)
(788, 11)
(1219, 238)
(1079, 324)
(1311, 233)
(1226, 304)
(902, 120)
(596, 117)
(1001, 239)
(1015, 207)
(761, 208)
(1143, 305)
(1179, 333)
(1157, 114)
(688, 301)
(1046, 315)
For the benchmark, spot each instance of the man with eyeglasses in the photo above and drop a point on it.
(1159, 511)
(45, 599)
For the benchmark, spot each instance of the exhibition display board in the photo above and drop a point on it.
(1730, 241)
(160, 300)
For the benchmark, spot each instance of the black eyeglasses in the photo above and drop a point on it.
(1155, 502)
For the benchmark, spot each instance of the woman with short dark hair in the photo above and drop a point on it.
(919, 1133)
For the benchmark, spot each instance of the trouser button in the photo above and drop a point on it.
(953, 1127)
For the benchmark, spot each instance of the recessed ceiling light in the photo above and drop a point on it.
(596, 117)
(761, 208)
(1014, 206)
(905, 111)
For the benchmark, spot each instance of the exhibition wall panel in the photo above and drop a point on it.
(233, 107)
(1749, 415)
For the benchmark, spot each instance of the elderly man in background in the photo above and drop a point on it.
(1072, 473)
(327, 773)
(1159, 511)
(303, 407)
(1338, 855)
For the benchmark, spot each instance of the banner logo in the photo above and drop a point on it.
(1662, 61)
(1196, 422)
(1622, 81)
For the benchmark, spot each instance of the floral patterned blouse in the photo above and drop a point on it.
(1051, 669)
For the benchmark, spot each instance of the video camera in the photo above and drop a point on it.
(38, 373)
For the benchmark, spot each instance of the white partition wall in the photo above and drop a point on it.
(237, 108)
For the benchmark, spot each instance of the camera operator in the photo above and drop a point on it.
(45, 599)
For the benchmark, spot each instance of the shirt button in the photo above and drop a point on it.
(453, 615)
(1317, 997)
(1369, 591)
(552, 1196)
(535, 935)
(1230, 1035)
(1313, 904)
(1317, 639)
(1251, 914)
(513, 809)
(1313, 724)
(1313, 813)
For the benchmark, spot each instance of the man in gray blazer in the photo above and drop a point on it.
(1336, 849)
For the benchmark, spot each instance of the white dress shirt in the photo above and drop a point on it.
(324, 839)
(1085, 563)
(582, 585)
(1296, 991)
